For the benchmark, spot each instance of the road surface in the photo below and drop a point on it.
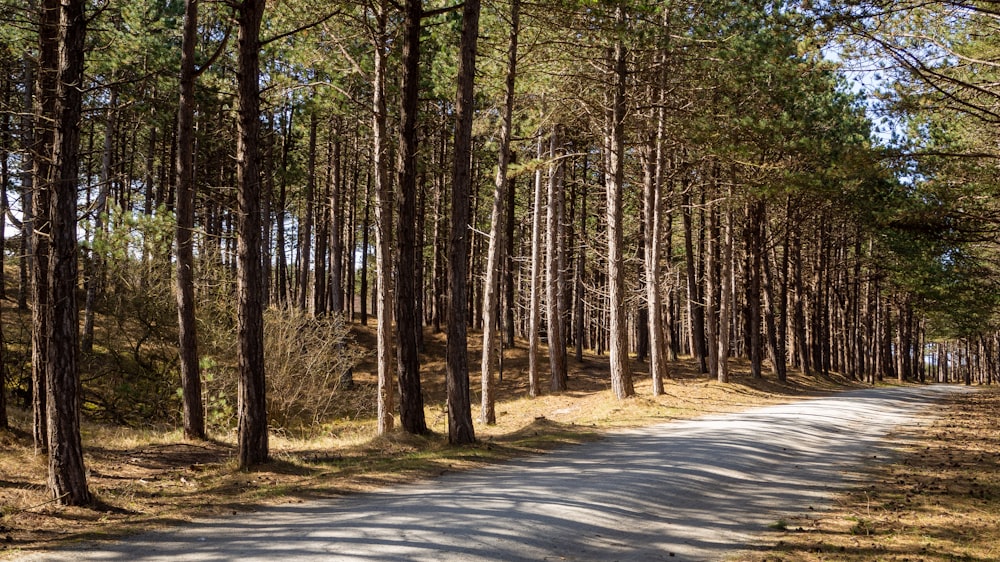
(692, 490)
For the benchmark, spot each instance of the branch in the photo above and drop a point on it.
(948, 154)
(444, 10)
(222, 47)
(302, 28)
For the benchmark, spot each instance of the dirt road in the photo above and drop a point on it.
(693, 490)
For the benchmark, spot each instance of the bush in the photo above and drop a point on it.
(305, 360)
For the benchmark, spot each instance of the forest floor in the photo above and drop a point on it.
(149, 479)
(938, 500)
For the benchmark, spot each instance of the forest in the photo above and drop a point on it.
(206, 204)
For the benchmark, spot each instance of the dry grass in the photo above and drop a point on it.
(149, 479)
(938, 501)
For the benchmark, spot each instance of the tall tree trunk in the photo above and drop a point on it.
(28, 164)
(281, 286)
(94, 267)
(494, 264)
(350, 229)
(726, 293)
(776, 351)
(509, 263)
(305, 234)
(579, 294)
(253, 445)
(324, 215)
(554, 288)
(67, 475)
(755, 246)
(460, 430)
(653, 206)
(336, 233)
(621, 373)
(799, 302)
(713, 286)
(38, 226)
(438, 242)
(411, 400)
(5, 139)
(194, 411)
(383, 227)
(534, 304)
(696, 311)
(365, 233)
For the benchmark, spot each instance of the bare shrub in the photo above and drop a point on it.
(305, 358)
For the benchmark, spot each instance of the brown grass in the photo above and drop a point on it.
(938, 501)
(149, 479)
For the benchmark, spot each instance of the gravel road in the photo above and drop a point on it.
(691, 490)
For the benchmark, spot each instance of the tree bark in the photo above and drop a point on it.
(38, 225)
(696, 311)
(579, 294)
(93, 268)
(253, 439)
(534, 305)
(653, 207)
(755, 246)
(494, 264)
(554, 288)
(621, 373)
(411, 400)
(365, 240)
(324, 215)
(281, 284)
(460, 429)
(726, 293)
(799, 300)
(67, 475)
(336, 233)
(713, 287)
(383, 227)
(194, 411)
(305, 233)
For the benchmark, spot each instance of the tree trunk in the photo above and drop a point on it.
(713, 287)
(67, 475)
(579, 295)
(305, 234)
(253, 442)
(365, 233)
(696, 311)
(653, 214)
(194, 411)
(534, 304)
(494, 265)
(460, 430)
(281, 285)
(39, 225)
(555, 288)
(755, 246)
(24, 286)
(509, 263)
(324, 216)
(337, 233)
(93, 268)
(799, 302)
(411, 400)
(726, 294)
(776, 351)
(383, 227)
(621, 373)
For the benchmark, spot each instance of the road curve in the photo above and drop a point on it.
(691, 490)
